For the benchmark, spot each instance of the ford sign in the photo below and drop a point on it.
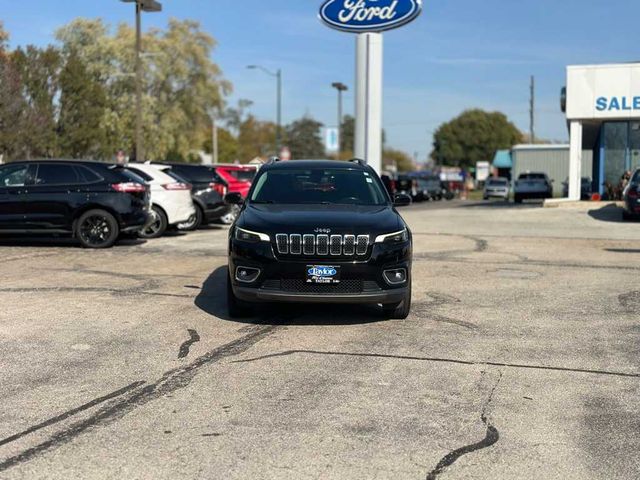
(369, 15)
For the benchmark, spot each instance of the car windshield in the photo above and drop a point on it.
(533, 177)
(497, 183)
(320, 186)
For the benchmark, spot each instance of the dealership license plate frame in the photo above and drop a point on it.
(322, 279)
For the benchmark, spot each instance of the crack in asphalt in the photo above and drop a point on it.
(70, 413)
(184, 348)
(437, 299)
(170, 382)
(491, 438)
(287, 353)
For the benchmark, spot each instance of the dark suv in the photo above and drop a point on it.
(319, 232)
(92, 201)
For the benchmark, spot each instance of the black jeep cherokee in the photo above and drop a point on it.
(319, 232)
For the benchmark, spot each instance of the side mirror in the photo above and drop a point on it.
(233, 198)
(402, 200)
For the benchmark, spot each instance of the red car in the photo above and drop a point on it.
(238, 177)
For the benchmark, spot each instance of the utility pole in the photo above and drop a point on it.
(341, 87)
(532, 110)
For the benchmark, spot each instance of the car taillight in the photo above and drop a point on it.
(219, 188)
(177, 186)
(130, 187)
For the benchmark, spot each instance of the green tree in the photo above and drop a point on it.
(13, 119)
(228, 146)
(397, 158)
(304, 138)
(82, 107)
(4, 38)
(181, 83)
(38, 70)
(348, 132)
(473, 136)
(256, 139)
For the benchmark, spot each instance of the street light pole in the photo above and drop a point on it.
(278, 76)
(141, 6)
(139, 137)
(341, 87)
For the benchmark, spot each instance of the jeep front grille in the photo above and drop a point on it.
(322, 245)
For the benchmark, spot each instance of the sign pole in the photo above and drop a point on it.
(368, 135)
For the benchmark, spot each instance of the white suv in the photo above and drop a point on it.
(170, 199)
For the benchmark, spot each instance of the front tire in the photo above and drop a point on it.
(97, 229)
(230, 217)
(399, 311)
(237, 308)
(194, 222)
(158, 227)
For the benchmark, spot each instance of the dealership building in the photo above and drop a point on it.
(602, 104)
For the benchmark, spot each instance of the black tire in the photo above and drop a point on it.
(97, 229)
(158, 227)
(237, 308)
(194, 223)
(517, 199)
(626, 217)
(485, 198)
(399, 311)
(229, 218)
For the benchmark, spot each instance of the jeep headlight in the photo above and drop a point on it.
(396, 237)
(251, 237)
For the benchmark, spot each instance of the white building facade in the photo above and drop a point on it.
(603, 112)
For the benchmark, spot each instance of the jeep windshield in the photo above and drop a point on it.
(318, 186)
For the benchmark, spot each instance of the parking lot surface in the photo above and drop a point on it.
(520, 360)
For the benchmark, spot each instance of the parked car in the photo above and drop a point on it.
(586, 188)
(406, 185)
(319, 232)
(497, 187)
(631, 197)
(171, 202)
(238, 177)
(207, 194)
(389, 184)
(91, 201)
(533, 186)
(430, 188)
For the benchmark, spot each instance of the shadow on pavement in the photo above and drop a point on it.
(608, 213)
(213, 300)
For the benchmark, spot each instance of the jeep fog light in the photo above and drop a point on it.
(395, 277)
(247, 274)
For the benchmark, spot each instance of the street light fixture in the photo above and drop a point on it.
(278, 76)
(341, 87)
(148, 6)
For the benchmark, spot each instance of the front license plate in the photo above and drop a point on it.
(323, 274)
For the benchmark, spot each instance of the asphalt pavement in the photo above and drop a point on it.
(521, 359)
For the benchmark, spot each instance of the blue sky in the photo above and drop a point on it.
(459, 54)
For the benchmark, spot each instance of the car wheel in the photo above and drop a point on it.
(517, 199)
(230, 217)
(158, 227)
(194, 223)
(625, 216)
(399, 311)
(237, 308)
(97, 229)
(485, 198)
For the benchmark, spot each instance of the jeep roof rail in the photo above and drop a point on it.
(359, 161)
(273, 160)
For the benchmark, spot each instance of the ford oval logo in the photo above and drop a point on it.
(369, 15)
(322, 272)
